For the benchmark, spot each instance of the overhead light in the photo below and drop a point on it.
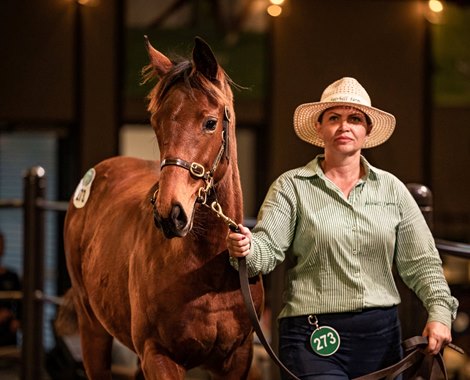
(436, 6)
(274, 10)
(89, 3)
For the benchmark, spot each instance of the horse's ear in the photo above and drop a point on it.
(158, 61)
(204, 59)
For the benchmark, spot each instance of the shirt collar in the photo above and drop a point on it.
(313, 168)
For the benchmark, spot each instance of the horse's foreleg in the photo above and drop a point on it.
(237, 367)
(157, 366)
(96, 349)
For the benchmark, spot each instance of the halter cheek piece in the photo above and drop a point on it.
(197, 171)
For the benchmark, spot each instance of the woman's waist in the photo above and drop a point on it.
(373, 319)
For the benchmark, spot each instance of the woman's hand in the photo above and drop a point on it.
(438, 336)
(239, 244)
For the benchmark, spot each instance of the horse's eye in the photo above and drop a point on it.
(210, 125)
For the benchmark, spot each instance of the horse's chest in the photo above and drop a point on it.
(201, 334)
(193, 313)
(203, 321)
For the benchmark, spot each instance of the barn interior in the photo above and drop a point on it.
(71, 95)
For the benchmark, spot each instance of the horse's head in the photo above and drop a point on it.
(192, 115)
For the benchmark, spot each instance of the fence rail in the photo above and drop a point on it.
(33, 206)
(11, 203)
(452, 248)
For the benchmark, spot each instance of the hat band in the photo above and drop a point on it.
(348, 98)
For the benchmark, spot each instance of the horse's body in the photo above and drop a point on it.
(176, 302)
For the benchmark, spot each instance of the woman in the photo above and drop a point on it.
(345, 223)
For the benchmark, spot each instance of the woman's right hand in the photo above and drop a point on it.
(239, 244)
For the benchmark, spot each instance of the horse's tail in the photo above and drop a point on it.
(66, 322)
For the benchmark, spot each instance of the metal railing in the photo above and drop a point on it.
(32, 295)
(453, 249)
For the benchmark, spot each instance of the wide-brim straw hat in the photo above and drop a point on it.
(344, 92)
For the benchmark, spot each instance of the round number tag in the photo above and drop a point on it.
(325, 341)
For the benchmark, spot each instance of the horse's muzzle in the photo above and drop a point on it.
(175, 225)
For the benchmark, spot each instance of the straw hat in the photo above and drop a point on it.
(343, 92)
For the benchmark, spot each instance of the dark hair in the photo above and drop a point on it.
(368, 120)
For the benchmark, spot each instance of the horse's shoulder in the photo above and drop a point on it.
(117, 177)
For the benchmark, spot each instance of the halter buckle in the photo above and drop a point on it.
(197, 170)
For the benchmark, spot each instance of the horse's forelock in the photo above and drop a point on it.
(218, 91)
(183, 72)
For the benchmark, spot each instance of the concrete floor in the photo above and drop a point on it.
(14, 373)
(10, 367)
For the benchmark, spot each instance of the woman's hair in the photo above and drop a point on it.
(368, 120)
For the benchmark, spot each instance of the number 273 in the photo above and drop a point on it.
(323, 341)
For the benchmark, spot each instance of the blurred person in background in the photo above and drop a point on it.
(9, 308)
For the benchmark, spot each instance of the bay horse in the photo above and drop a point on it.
(168, 293)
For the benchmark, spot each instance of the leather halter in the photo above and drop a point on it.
(197, 170)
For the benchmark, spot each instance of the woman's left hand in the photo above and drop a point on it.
(438, 336)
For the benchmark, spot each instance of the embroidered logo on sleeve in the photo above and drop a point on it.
(82, 192)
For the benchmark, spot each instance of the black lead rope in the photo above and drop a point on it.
(250, 307)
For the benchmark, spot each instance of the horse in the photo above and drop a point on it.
(145, 242)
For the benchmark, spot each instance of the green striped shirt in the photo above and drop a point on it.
(344, 248)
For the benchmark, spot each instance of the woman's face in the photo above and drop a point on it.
(343, 129)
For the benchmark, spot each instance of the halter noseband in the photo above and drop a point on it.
(197, 170)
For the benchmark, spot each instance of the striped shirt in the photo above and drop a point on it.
(344, 249)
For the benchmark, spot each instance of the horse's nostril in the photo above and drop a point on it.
(178, 216)
(175, 225)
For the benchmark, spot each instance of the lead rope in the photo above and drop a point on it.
(415, 353)
(245, 288)
(246, 293)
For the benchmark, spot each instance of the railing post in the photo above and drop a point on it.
(412, 313)
(33, 275)
(423, 197)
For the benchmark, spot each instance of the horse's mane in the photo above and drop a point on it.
(184, 72)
